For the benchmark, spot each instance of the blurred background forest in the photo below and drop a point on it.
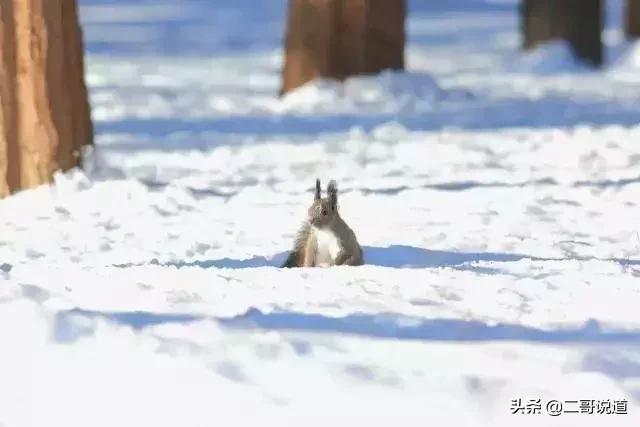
(336, 39)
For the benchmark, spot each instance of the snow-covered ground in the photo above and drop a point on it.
(496, 195)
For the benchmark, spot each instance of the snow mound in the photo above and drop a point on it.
(388, 92)
(629, 60)
(550, 58)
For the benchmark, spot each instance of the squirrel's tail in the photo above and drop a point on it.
(291, 260)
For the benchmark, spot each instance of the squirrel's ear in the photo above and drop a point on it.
(332, 191)
(317, 195)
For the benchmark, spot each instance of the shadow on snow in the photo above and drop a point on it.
(394, 256)
(388, 325)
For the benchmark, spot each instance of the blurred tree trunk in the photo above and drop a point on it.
(579, 22)
(341, 38)
(632, 19)
(9, 171)
(45, 117)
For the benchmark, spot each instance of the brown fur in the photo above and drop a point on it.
(323, 217)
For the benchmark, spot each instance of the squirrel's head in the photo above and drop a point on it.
(324, 210)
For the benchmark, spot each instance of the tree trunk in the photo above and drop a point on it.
(9, 154)
(45, 110)
(632, 19)
(579, 22)
(340, 38)
(82, 126)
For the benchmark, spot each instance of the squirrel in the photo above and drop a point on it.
(325, 239)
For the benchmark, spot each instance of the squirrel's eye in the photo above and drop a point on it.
(324, 211)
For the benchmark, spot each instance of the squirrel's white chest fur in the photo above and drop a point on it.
(327, 247)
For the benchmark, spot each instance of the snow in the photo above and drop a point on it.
(548, 58)
(495, 194)
(386, 93)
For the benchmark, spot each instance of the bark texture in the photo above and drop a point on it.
(341, 38)
(9, 171)
(45, 116)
